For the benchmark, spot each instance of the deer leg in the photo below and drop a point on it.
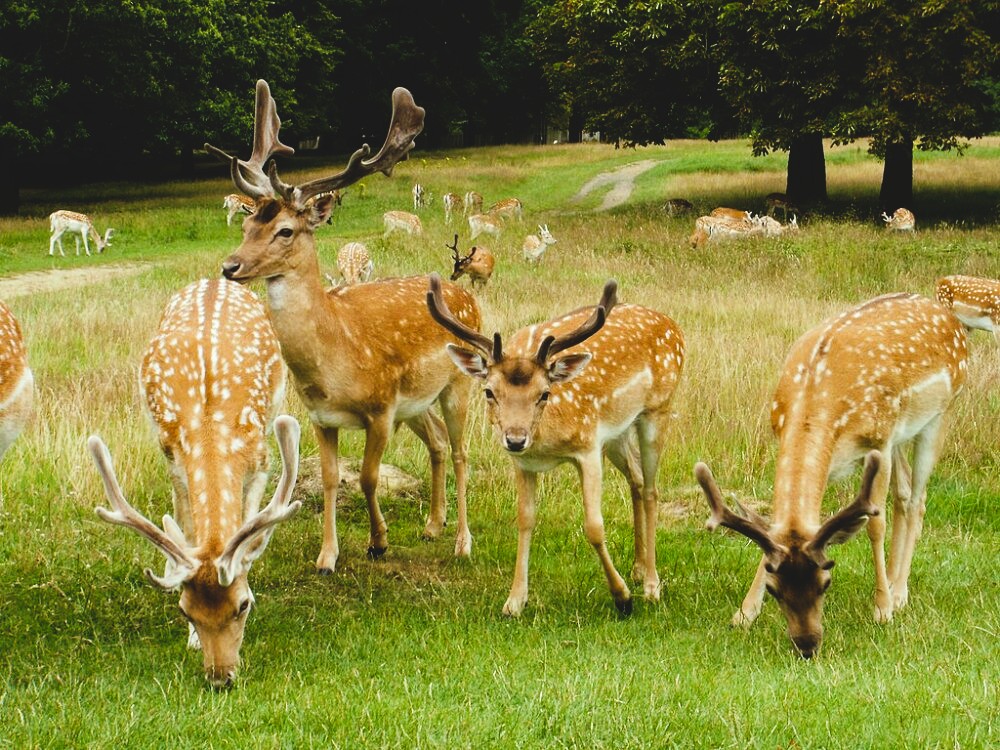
(431, 432)
(593, 527)
(328, 440)
(624, 456)
(651, 430)
(527, 486)
(376, 439)
(455, 408)
(902, 492)
(876, 534)
(52, 244)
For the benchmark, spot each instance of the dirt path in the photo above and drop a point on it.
(622, 181)
(58, 279)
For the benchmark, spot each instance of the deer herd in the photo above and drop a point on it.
(874, 384)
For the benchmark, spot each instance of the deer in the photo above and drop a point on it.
(485, 224)
(17, 383)
(354, 263)
(473, 203)
(678, 207)
(420, 196)
(452, 203)
(535, 245)
(234, 203)
(371, 357)
(477, 265)
(775, 202)
(508, 208)
(709, 228)
(595, 381)
(401, 221)
(975, 301)
(213, 381)
(771, 227)
(866, 384)
(902, 220)
(61, 222)
(734, 214)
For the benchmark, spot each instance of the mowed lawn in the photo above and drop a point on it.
(412, 650)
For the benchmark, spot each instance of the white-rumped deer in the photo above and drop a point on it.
(473, 203)
(974, 300)
(902, 220)
(535, 245)
(484, 224)
(477, 265)
(371, 356)
(354, 263)
(212, 381)
(234, 203)
(452, 203)
(870, 381)
(401, 221)
(17, 384)
(609, 393)
(61, 222)
(420, 196)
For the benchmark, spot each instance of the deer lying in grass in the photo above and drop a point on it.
(535, 245)
(871, 380)
(371, 357)
(17, 384)
(902, 220)
(609, 393)
(213, 380)
(734, 214)
(61, 222)
(477, 265)
(975, 301)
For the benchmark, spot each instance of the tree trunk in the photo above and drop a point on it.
(576, 120)
(897, 177)
(806, 182)
(10, 194)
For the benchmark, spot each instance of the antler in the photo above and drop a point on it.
(266, 125)
(551, 345)
(440, 312)
(454, 249)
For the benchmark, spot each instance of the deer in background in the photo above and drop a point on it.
(17, 384)
(902, 220)
(508, 208)
(354, 263)
(535, 245)
(420, 196)
(775, 202)
(473, 203)
(452, 203)
(975, 301)
(401, 221)
(678, 207)
(864, 384)
(484, 224)
(609, 393)
(477, 265)
(234, 203)
(733, 214)
(371, 357)
(61, 222)
(213, 380)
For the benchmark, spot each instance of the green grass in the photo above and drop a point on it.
(412, 651)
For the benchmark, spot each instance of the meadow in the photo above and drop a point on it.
(412, 650)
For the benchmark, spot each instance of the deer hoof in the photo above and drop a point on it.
(374, 553)
(624, 606)
(325, 571)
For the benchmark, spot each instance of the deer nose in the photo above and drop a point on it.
(807, 645)
(221, 678)
(516, 441)
(230, 268)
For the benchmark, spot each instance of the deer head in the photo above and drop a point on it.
(461, 261)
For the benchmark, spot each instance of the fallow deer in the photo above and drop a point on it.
(477, 265)
(452, 203)
(371, 357)
(473, 203)
(734, 214)
(61, 222)
(401, 221)
(902, 220)
(535, 245)
(234, 203)
(508, 208)
(484, 224)
(974, 300)
(775, 202)
(609, 393)
(213, 380)
(420, 196)
(354, 263)
(871, 380)
(678, 207)
(17, 384)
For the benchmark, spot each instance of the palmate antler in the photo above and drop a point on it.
(551, 345)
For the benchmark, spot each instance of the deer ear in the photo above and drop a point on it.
(471, 363)
(320, 210)
(568, 367)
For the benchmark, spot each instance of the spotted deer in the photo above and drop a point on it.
(902, 220)
(535, 245)
(609, 393)
(354, 263)
(484, 224)
(234, 203)
(17, 384)
(734, 214)
(974, 300)
(452, 203)
(212, 381)
(473, 203)
(477, 265)
(372, 357)
(61, 222)
(508, 208)
(401, 221)
(775, 202)
(867, 383)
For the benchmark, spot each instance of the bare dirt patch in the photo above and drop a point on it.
(57, 279)
(621, 180)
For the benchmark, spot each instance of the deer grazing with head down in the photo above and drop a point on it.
(213, 381)
(401, 221)
(234, 203)
(477, 265)
(867, 383)
(371, 357)
(354, 263)
(974, 300)
(484, 224)
(17, 384)
(596, 380)
(61, 222)
(473, 203)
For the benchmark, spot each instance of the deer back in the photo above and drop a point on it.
(16, 380)
(975, 301)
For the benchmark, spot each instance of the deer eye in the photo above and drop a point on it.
(826, 584)
(244, 606)
(544, 397)
(285, 232)
(489, 395)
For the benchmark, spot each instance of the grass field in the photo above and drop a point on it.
(412, 651)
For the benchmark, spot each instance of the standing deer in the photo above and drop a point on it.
(234, 203)
(354, 263)
(477, 265)
(484, 224)
(401, 221)
(17, 384)
(452, 203)
(871, 380)
(975, 301)
(371, 356)
(535, 245)
(508, 208)
(902, 220)
(61, 222)
(213, 381)
(678, 207)
(611, 395)
(420, 196)
(775, 202)
(473, 203)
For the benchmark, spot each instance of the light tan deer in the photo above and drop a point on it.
(61, 222)
(371, 357)
(974, 300)
(872, 380)
(401, 221)
(484, 224)
(609, 393)
(17, 384)
(535, 245)
(354, 263)
(452, 203)
(234, 203)
(473, 203)
(735, 214)
(508, 208)
(213, 380)
(902, 220)
(477, 265)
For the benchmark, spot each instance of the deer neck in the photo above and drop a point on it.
(805, 454)
(216, 501)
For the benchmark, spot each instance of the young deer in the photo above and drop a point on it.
(508, 208)
(371, 357)
(213, 380)
(452, 203)
(477, 265)
(902, 220)
(401, 221)
(535, 245)
(61, 222)
(610, 396)
(473, 203)
(17, 384)
(975, 301)
(484, 224)
(354, 263)
(234, 203)
(870, 381)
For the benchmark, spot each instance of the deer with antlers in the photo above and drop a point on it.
(371, 357)
(609, 392)
(477, 265)
(213, 381)
(864, 384)
(974, 300)
(902, 220)
(17, 384)
(79, 224)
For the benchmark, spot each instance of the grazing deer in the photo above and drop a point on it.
(473, 203)
(371, 357)
(975, 301)
(213, 381)
(484, 224)
(452, 203)
(401, 221)
(420, 196)
(477, 265)
(871, 380)
(234, 203)
(354, 263)
(61, 222)
(17, 384)
(734, 214)
(678, 207)
(508, 208)
(902, 220)
(535, 245)
(609, 395)
(779, 202)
